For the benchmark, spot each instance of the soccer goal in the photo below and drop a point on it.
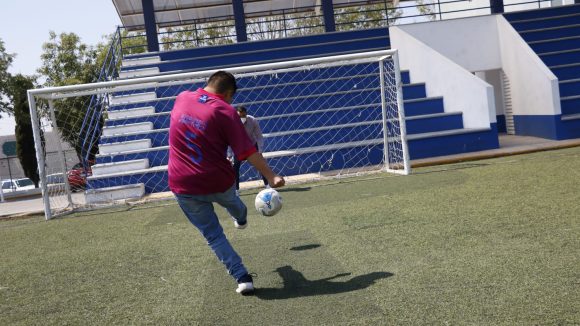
(330, 116)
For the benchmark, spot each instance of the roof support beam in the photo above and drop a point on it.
(150, 25)
(496, 6)
(240, 20)
(328, 13)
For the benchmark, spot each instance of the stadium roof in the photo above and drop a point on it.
(181, 12)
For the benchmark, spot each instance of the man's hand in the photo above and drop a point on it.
(276, 182)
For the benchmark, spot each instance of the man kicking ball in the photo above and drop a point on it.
(203, 125)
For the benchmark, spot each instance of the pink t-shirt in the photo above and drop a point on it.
(202, 127)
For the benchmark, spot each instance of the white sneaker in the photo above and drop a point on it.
(240, 226)
(245, 288)
(245, 285)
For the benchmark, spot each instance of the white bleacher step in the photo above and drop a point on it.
(154, 169)
(144, 72)
(137, 151)
(127, 128)
(125, 146)
(137, 97)
(106, 195)
(131, 113)
(116, 167)
(140, 61)
(570, 117)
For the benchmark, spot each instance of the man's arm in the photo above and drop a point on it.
(258, 161)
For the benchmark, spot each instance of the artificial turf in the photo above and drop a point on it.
(493, 242)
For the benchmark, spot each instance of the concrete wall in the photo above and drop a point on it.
(534, 87)
(477, 44)
(432, 58)
(10, 165)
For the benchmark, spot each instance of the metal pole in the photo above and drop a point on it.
(39, 153)
(401, 109)
(61, 152)
(240, 20)
(9, 170)
(2, 190)
(384, 113)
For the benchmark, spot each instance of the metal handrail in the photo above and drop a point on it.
(91, 121)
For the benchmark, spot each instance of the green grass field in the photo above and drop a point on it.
(493, 242)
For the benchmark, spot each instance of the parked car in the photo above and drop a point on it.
(77, 177)
(11, 185)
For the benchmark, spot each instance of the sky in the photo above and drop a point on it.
(25, 24)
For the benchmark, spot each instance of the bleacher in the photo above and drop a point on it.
(134, 144)
(554, 34)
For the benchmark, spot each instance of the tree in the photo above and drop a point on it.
(68, 61)
(366, 16)
(25, 149)
(5, 62)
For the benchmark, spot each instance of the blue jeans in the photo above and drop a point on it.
(199, 211)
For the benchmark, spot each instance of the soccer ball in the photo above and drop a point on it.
(268, 202)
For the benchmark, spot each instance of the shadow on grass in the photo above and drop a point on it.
(296, 285)
(305, 247)
(298, 189)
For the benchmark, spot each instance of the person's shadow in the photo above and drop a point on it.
(296, 285)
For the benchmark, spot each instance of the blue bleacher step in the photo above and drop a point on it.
(116, 167)
(124, 146)
(445, 133)
(135, 97)
(566, 72)
(131, 113)
(570, 87)
(128, 128)
(546, 22)
(286, 53)
(559, 44)
(134, 62)
(159, 120)
(159, 137)
(543, 13)
(570, 104)
(561, 57)
(156, 155)
(551, 33)
(570, 117)
(141, 72)
(115, 193)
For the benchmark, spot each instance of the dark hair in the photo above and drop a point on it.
(241, 108)
(222, 82)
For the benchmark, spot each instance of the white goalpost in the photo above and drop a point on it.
(335, 115)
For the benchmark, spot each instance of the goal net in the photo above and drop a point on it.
(329, 116)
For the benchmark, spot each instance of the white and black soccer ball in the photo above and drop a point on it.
(268, 202)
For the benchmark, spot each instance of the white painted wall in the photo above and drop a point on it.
(534, 87)
(470, 42)
(461, 90)
(493, 77)
(476, 44)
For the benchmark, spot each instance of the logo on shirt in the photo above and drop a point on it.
(203, 98)
(194, 122)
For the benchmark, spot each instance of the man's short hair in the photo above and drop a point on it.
(241, 108)
(222, 82)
